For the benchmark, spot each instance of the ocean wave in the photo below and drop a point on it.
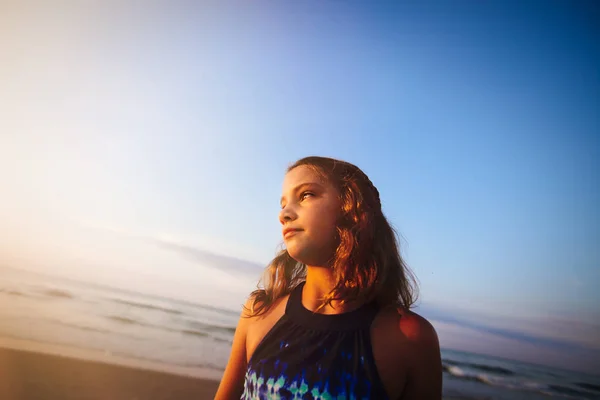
(218, 339)
(455, 371)
(522, 384)
(211, 328)
(202, 329)
(219, 310)
(588, 386)
(482, 367)
(12, 292)
(147, 306)
(125, 320)
(58, 293)
(491, 380)
(85, 328)
(564, 390)
(192, 332)
(38, 292)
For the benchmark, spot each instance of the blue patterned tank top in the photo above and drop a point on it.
(315, 356)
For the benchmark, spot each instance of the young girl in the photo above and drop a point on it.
(333, 319)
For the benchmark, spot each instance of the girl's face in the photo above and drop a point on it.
(309, 211)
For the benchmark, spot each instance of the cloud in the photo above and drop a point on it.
(232, 265)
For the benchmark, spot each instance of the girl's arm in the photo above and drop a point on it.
(425, 370)
(232, 382)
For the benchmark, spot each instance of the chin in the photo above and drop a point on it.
(298, 253)
(295, 253)
(304, 256)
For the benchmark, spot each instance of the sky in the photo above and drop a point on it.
(143, 146)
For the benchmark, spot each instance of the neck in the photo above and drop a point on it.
(319, 282)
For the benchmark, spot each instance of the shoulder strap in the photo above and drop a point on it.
(295, 299)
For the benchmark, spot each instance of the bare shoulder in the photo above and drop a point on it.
(249, 306)
(246, 317)
(252, 305)
(249, 318)
(404, 326)
(416, 329)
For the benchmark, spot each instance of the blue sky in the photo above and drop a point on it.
(151, 142)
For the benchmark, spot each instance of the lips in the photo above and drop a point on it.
(290, 232)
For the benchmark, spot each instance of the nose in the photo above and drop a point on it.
(287, 214)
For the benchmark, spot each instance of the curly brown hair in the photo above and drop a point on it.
(367, 263)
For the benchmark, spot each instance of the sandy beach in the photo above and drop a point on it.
(27, 375)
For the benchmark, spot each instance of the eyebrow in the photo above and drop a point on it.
(300, 187)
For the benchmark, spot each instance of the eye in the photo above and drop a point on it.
(305, 194)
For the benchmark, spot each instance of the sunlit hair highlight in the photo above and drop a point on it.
(367, 263)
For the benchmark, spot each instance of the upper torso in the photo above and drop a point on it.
(368, 334)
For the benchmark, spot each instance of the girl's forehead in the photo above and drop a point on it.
(300, 175)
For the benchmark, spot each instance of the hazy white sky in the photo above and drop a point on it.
(144, 147)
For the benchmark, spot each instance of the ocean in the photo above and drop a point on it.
(196, 338)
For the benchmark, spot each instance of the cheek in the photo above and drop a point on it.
(326, 223)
